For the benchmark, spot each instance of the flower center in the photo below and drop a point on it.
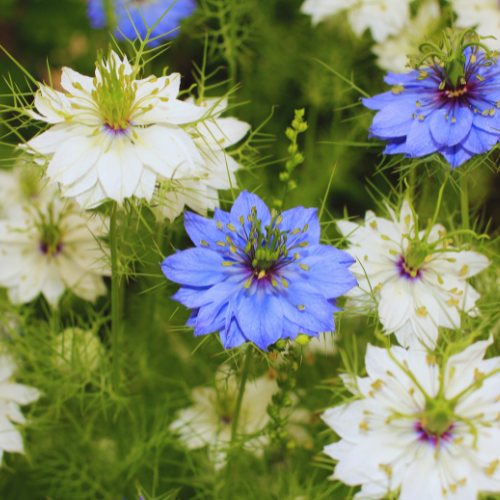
(436, 422)
(267, 250)
(406, 270)
(51, 244)
(114, 94)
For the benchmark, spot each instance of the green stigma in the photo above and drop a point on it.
(114, 94)
(438, 417)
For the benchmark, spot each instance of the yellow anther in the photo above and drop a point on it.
(453, 488)
(242, 220)
(365, 257)
(364, 425)
(274, 283)
(451, 260)
(431, 359)
(452, 302)
(306, 227)
(421, 118)
(421, 311)
(261, 274)
(378, 384)
(407, 220)
(462, 481)
(477, 374)
(464, 270)
(250, 219)
(393, 252)
(232, 248)
(219, 225)
(390, 373)
(228, 263)
(279, 220)
(248, 283)
(440, 280)
(301, 307)
(459, 440)
(373, 224)
(490, 470)
(385, 238)
(295, 231)
(204, 243)
(284, 282)
(303, 244)
(419, 105)
(304, 267)
(387, 469)
(222, 244)
(411, 390)
(230, 227)
(229, 240)
(453, 120)
(296, 256)
(492, 112)
(460, 293)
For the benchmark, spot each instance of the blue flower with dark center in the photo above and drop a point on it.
(130, 13)
(451, 107)
(259, 276)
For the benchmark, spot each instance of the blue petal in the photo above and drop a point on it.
(192, 319)
(328, 277)
(152, 13)
(191, 296)
(243, 208)
(394, 120)
(395, 146)
(222, 216)
(419, 141)
(202, 229)
(318, 313)
(232, 336)
(487, 123)
(260, 315)
(195, 267)
(210, 321)
(456, 155)
(450, 126)
(96, 13)
(409, 80)
(478, 141)
(298, 218)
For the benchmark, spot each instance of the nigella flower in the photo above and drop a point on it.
(259, 277)
(382, 17)
(113, 136)
(12, 395)
(451, 107)
(419, 430)
(418, 277)
(131, 15)
(50, 247)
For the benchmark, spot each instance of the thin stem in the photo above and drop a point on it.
(241, 392)
(115, 296)
(464, 202)
(110, 14)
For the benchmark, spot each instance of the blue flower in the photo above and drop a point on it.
(151, 10)
(259, 277)
(450, 108)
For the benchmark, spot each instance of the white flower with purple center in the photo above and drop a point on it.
(50, 247)
(259, 276)
(448, 106)
(382, 17)
(113, 136)
(417, 276)
(420, 430)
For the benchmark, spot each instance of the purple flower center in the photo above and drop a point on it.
(434, 439)
(407, 271)
(115, 130)
(50, 250)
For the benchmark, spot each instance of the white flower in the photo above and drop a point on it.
(211, 136)
(392, 52)
(420, 284)
(11, 396)
(49, 248)
(113, 135)
(484, 15)
(208, 422)
(432, 432)
(383, 17)
(75, 347)
(21, 186)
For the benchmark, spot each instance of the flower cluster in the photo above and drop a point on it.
(418, 428)
(259, 276)
(417, 276)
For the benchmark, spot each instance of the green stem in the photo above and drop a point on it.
(241, 392)
(464, 202)
(115, 296)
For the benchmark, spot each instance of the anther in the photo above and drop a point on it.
(301, 307)
(241, 219)
(304, 267)
(219, 225)
(230, 227)
(204, 243)
(228, 263)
